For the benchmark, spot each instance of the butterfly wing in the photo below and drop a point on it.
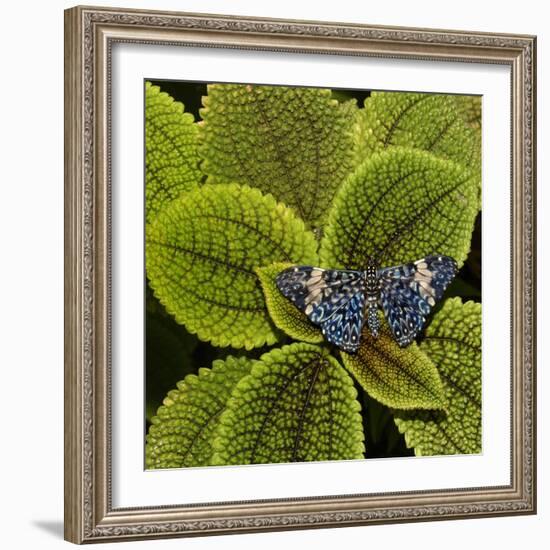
(331, 298)
(408, 293)
(343, 327)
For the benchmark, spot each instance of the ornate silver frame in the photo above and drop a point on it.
(89, 35)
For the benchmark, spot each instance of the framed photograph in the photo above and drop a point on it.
(300, 274)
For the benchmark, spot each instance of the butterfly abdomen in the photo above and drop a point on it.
(372, 291)
(373, 322)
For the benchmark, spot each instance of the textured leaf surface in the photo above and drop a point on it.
(282, 311)
(171, 159)
(296, 143)
(431, 122)
(297, 404)
(399, 206)
(397, 377)
(453, 342)
(202, 250)
(469, 107)
(181, 433)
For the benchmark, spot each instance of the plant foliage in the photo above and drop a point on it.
(296, 143)
(469, 107)
(171, 160)
(297, 404)
(397, 377)
(181, 432)
(278, 176)
(202, 250)
(399, 206)
(453, 341)
(283, 313)
(439, 124)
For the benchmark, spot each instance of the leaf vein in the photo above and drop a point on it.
(276, 403)
(403, 229)
(399, 117)
(301, 420)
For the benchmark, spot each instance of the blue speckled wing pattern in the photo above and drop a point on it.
(408, 293)
(334, 299)
(331, 298)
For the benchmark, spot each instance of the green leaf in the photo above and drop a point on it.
(282, 311)
(181, 433)
(298, 404)
(453, 342)
(395, 376)
(171, 160)
(431, 122)
(469, 107)
(399, 206)
(202, 250)
(295, 143)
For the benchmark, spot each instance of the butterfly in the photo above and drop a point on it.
(338, 300)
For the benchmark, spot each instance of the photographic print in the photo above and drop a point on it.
(273, 274)
(313, 274)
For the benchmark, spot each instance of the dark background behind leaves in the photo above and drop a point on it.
(172, 353)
